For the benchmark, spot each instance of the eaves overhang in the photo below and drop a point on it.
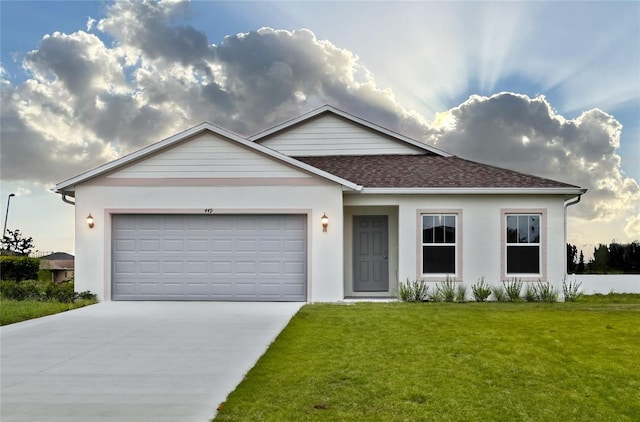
(472, 191)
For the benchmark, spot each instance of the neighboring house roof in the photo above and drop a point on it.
(327, 109)
(429, 171)
(58, 256)
(67, 187)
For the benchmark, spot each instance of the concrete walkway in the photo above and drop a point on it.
(133, 361)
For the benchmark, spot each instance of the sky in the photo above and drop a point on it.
(547, 88)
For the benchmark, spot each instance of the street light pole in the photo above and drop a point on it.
(7, 213)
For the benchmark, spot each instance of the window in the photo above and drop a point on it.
(439, 244)
(523, 243)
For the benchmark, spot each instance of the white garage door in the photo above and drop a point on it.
(209, 257)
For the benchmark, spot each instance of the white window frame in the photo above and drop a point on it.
(457, 214)
(541, 244)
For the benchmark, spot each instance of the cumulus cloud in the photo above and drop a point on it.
(85, 103)
(527, 134)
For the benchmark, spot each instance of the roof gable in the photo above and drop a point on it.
(209, 148)
(329, 131)
(208, 155)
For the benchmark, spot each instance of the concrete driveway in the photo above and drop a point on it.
(133, 361)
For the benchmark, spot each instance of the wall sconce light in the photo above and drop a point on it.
(90, 221)
(325, 221)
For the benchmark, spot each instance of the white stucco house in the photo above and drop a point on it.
(323, 207)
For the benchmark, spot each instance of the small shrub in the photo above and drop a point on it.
(416, 291)
(512, 289)
(446, 290)
(546, 292)
(62, 292)
(19, 268)
(499, 293)
(461, 293)
(20, 290)
(87, 295)
(530, 293)
(481, 290)
(570, 290)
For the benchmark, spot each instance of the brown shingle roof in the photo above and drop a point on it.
(425, 171)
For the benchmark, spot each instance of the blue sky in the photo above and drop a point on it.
(415, 64)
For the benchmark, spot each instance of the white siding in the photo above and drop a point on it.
(331, 135)
(208, 156)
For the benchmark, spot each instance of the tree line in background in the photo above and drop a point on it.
(616, 258)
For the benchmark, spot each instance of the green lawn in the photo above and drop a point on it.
(20, 310)
(450, 362)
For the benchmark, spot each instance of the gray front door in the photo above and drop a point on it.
(370, 253)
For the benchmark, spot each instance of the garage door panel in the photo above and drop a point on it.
(222, 267)
(212, 257)
(245, 267)
(124, 245)
(294, 268)
(218, 245)
(197, 245)
(271, 245)
(124, 268)
(173, 267)
(149, 268)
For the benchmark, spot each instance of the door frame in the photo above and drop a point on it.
(392, 213)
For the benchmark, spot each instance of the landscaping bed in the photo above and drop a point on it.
(450, 362)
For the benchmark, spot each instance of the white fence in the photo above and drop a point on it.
(605, 283)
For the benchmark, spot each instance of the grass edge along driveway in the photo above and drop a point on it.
(12, 311)
(448, 362)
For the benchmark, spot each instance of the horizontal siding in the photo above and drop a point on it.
(330, 135)
(211, 157)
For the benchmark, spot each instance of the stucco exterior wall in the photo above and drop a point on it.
(325, 249)
(481, 217)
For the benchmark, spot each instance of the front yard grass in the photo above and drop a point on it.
(449, 362)
(21, 310)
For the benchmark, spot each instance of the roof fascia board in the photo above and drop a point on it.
(474, 191)
(327, 108)
(68, 184)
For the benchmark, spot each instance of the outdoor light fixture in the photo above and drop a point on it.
(90, 221)
(325, 221)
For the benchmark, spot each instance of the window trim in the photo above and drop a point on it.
(542, 244)
(457, 212)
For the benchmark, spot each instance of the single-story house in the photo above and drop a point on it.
(323, 207)
(59, 264)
